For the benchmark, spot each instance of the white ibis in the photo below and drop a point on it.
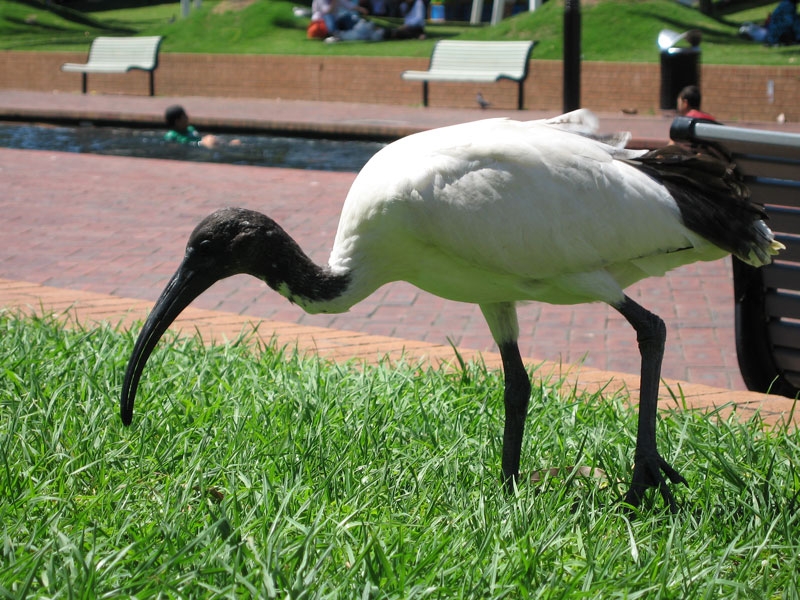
(497, 212)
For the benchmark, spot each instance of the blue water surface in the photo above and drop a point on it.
(257, 150)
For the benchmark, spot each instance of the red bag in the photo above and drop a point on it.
(317, 30)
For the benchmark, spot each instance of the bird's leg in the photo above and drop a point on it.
(516, 398)
(502, 319)
(648, 465)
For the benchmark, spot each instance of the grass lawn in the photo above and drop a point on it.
(614, 30)
(257, 474)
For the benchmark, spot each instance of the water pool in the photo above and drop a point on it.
(258, 150)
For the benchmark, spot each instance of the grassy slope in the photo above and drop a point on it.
(617, 30)
(267, 476)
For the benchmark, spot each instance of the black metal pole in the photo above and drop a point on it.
(572, 55)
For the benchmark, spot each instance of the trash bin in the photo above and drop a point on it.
(680, 66)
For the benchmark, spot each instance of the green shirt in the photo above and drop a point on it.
(190, 136)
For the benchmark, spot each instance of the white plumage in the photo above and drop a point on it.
(501, 210)
(498, 212)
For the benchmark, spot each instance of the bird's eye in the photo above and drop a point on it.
(201, 247)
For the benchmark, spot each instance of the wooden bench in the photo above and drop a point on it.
(481, 62)
(119, 55)
(767, 299)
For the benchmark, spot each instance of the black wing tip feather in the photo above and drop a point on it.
(713, 199)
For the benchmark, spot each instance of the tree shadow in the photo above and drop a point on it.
(709, 34)
(104, 5)
(68, 14)
(728, 7)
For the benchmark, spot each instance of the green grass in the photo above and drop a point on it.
(257, 474)
(613, 30)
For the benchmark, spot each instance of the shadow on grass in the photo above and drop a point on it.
(68, 14)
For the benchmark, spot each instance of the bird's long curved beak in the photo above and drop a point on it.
(186, 284)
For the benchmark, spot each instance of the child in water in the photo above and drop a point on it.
(180, 131)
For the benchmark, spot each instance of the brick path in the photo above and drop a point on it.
(117, 226)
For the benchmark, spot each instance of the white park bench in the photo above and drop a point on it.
(481, 62)
(119, 55)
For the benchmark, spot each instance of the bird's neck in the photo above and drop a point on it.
(303, 282)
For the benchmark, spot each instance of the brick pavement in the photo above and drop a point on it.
(113, 225)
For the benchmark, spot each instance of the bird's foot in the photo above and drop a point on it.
(649, 471)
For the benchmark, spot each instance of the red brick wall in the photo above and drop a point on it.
(730, 93)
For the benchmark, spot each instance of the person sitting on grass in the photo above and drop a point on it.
(335, 20)
(782, 27)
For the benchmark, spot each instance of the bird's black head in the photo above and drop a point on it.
(232, 241)
(227, 242)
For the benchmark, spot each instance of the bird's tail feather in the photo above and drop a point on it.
(584, 122)
(713, 200)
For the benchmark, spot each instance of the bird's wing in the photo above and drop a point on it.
(527, 200)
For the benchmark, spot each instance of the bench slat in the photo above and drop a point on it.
(761, 166)
(785, 334)
(453, 76)
(782, 275)
(782, 305)
(784, 219)
(738, 139)
(774, 194)
(788, 361)
(792, 252)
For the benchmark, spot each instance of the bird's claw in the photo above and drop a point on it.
(647, 473)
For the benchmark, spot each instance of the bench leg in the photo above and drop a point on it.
(152, 84)
(83, 82)
(521, 96)
(424, 93)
